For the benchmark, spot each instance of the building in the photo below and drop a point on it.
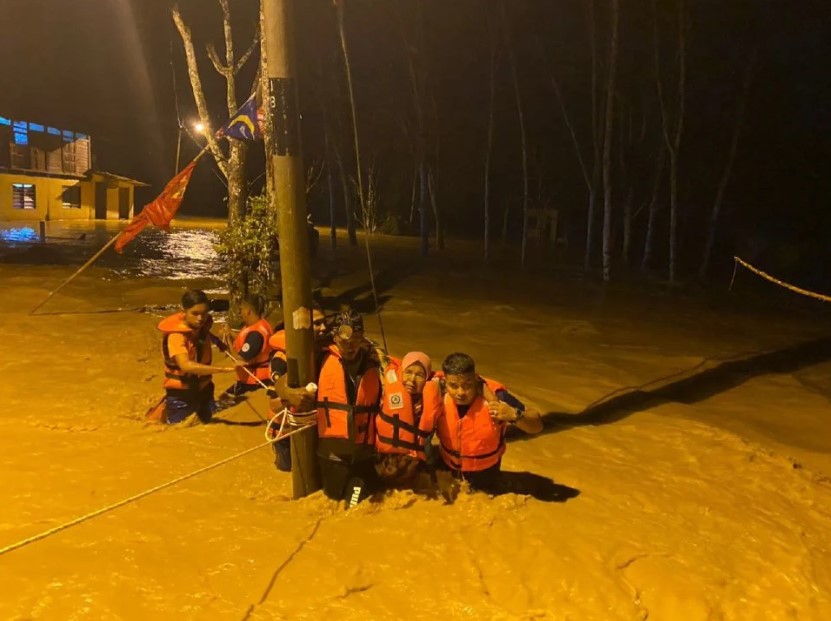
(46, 174)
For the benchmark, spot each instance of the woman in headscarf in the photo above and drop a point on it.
(405, 423)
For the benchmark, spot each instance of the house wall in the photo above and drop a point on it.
(48, 199)
(113, 187)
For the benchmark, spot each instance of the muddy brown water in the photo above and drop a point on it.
(680, 515)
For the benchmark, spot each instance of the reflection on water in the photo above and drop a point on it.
(181, 254)
(185, 253)
(18, 235)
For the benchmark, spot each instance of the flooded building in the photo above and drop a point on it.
(46, 173)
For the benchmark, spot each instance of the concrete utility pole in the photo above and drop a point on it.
(283, 152)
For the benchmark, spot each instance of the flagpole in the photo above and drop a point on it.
(99, 253)
(78, 271)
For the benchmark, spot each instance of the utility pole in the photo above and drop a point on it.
(283, 151)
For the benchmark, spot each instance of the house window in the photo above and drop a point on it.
(23, 196)
(71, 196)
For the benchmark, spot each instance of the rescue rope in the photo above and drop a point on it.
(299, 420)
(367, 232)
(152, 490)
(781, 283)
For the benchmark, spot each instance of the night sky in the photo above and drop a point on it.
(107, 69)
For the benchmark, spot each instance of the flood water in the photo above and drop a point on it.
(187, 252)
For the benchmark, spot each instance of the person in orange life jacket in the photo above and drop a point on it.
(474, 417)
(251, 345)
(283, 395)
(186, 347)
(348, 397)
(404, 425)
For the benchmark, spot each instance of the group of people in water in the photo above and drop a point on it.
(377, 416)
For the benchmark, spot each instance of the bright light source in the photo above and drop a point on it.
(199, 127)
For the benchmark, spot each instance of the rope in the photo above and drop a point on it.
(299, 420)
(126, 501)
(781, 283)
(340, 10)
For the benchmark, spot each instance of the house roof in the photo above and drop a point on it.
(109, 175)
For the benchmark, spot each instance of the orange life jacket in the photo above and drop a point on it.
(336, 417)
(199, 350)
(259, 365)
(396, 428)
(476, 441)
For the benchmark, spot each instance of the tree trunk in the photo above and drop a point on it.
(649, 239)
(422, 208)
(597, 133)
(728, 169)
(353, 239)
(347, 202)
(413, 196)
(237, 188)
(492, 43)
(673, 214)
(607, 145)
(627, 227)
(231, 166)
(198, 91)
(330, 183)
(327, 161)
(522, 135)
(431, 179)
(418, 87)
(673, 128)
(578, 151)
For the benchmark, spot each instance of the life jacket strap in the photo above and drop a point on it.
(345, 407)
(457, 455)
(399, 443)
(397, 423)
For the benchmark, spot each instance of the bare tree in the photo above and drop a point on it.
(492, 50)
(607, 143)
(728, 167)
(597, 135)
(522, 132)
(672, 122)
(633, 133)
(432, 178)
(588, 178)
(652, 217)
(420, 134)
(345, 178)
(232, 163)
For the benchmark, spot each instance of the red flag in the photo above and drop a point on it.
(161, 211)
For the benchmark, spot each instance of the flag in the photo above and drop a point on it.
(246, 124)
(161, 211)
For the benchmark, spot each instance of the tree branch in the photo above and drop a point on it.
(230, 82)
(244, 58)
(212, 54)
(198, 92)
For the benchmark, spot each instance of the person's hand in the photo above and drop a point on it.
(226, 335)
(300, 399)
(224, 369)
(502, 412)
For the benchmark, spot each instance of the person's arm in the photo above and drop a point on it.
(197, 368)
(298, 398)
(178, 350)
(528, 420)
(252, 346)
(505, 407)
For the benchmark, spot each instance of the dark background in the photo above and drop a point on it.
(107, 69)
